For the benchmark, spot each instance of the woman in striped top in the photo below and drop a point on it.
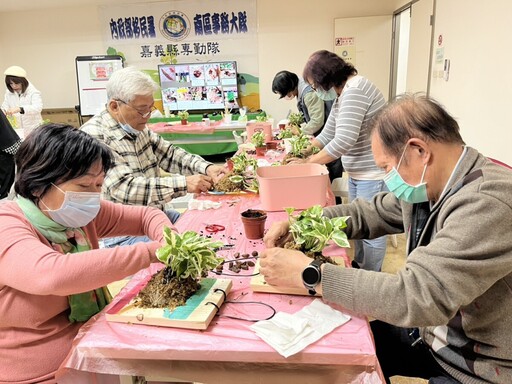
(346, 135)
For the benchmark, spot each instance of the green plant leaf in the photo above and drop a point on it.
(188, 254)
(313, 231)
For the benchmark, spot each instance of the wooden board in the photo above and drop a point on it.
(258, 284)
(195, 314)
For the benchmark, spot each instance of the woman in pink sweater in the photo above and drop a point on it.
(52, 274)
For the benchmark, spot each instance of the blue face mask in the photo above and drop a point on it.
(127, 127)
(77, 210)
(326, 95)
(409, 193)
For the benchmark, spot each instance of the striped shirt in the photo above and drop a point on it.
(136, 178)
(346, 132)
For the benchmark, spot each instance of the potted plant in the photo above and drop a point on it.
(183, 115)
(226, 115)
(258, 139)
(187, 258)
(262, 117)
(311, 232)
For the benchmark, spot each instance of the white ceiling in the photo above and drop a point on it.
(360, 7)
(30, 5)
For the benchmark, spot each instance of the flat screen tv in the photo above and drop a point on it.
(199, 86)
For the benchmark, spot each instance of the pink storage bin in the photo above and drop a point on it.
(252, 127)
(299, 186)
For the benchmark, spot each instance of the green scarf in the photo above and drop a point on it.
(83, 305)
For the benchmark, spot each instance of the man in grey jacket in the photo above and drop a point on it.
(446, 316)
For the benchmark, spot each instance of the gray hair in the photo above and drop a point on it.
(126, 83)
(414, 115)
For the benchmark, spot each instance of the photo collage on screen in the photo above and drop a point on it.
(199, 86)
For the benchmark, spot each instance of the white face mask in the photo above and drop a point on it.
(77, 210)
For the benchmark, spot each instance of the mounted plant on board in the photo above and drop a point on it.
(187, 257)
(242, 177)
(301, 148)
(295, 119)
(286, 133)
(311, 232)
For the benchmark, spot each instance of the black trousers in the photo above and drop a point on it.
(335, 169)
(398, 357)
(7, 170)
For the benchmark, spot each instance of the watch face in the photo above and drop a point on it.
(310, 275)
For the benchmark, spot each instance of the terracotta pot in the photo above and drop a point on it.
(260, 151)
(272, 145)
(282, 126)
(184, 122)
(254, 223)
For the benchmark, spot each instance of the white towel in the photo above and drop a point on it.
(202, 205)
(291, 333)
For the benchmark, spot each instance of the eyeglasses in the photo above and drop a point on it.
(144, 115)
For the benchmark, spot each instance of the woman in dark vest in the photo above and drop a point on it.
(9, 144)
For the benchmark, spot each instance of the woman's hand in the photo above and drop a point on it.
(283, 267)
(13, 111)
(295, 160)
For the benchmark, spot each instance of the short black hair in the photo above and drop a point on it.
(16, 80)
(284, 82)
(54, 153)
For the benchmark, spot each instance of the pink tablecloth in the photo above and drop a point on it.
(228, 351)
(190, 128)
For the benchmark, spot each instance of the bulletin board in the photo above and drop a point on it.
(92, 74)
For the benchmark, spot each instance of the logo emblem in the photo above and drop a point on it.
(175, 25)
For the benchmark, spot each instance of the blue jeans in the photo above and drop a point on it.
(369, 254)
(129, 240)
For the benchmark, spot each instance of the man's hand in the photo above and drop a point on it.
(283, 267)
(278, 234)
(216, 172)
(199, 183)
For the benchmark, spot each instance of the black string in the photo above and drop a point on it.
(240, 302)
(234, 274)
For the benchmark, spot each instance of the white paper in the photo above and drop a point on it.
(289, 334)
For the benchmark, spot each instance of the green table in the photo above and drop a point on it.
(221, 141)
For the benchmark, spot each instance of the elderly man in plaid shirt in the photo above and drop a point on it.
(140, 154)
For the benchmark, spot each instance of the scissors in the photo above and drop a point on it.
(214, 228)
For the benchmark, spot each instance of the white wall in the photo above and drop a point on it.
(476, 38)
(287, 34)
(45, 43)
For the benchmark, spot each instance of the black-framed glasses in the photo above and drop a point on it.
(144, 115)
